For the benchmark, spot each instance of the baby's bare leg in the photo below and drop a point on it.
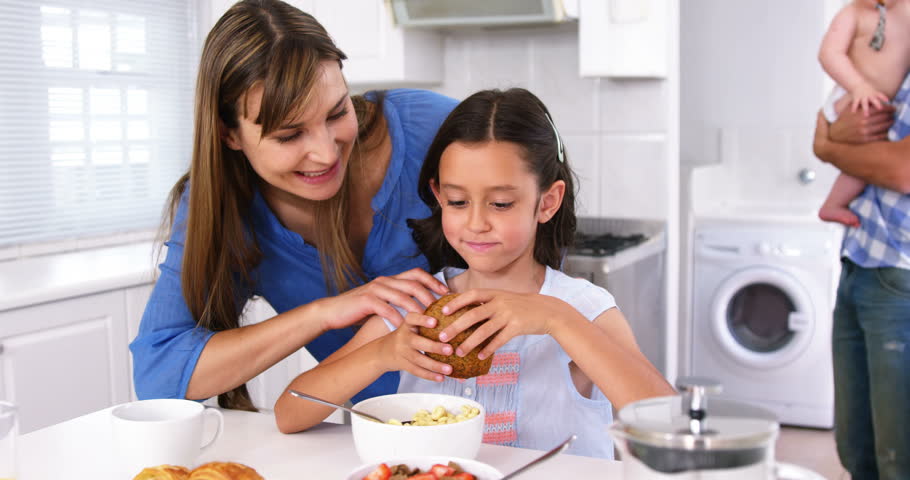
(836, 206)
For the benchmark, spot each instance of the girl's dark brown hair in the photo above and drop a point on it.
(517, 116)
(271, 43)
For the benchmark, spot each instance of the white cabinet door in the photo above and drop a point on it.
(64, 359)
(379, 53)
(625, 38)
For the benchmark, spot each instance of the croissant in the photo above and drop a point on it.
(163, 472)
(224, 471)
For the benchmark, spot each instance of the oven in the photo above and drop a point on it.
(627, 257)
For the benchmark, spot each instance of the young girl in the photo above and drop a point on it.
(868, 58)
(501, 193)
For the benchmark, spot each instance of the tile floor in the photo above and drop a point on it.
(810, 448)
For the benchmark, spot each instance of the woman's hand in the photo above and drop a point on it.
(507, 316)
(406, 290)
(402, 350)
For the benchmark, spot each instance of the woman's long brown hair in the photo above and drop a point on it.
(271, 43)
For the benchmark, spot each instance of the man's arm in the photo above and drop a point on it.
(858, 146)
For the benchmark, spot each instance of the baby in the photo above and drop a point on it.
(868, 57)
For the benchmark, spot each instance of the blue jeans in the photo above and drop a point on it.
(871, 347)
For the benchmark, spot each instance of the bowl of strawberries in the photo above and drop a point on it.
(426, 468)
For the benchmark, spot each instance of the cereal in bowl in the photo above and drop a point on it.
(439, 416)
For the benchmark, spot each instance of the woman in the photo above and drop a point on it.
(296, 192)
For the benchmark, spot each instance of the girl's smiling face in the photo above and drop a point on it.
(491, 204)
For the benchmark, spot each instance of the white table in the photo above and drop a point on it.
(81, 448)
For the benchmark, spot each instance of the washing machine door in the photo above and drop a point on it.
(762, 317)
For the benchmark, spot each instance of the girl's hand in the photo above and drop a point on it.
(865, 96)
(507, 316)
(406, 290)
(402, 350)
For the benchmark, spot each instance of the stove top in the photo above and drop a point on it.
(602, 245)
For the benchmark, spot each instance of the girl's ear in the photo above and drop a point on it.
(550, 201)
(435, 188)
(230, 136)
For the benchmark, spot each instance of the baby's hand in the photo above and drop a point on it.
(402, 350)
(866, 96)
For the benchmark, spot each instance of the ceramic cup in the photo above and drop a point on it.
(156, 432)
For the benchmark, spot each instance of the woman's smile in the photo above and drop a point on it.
(315, 177)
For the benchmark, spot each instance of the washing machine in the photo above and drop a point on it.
(763, 297)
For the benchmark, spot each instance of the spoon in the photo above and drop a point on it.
(552, 453)
(342, 407)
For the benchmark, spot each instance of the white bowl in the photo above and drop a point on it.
(378, 442)
(480, 470)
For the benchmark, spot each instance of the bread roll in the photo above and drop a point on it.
(462, 367)
(163, 472)
(224, 471)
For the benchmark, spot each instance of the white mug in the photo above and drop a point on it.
(157, 432)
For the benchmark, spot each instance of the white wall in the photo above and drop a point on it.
(750, 88)
(622, 136)
(615, 131)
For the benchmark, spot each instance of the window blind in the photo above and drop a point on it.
(96, 105)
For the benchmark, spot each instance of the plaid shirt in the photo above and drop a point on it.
(883, 238)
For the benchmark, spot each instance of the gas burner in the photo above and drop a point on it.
(603, 245)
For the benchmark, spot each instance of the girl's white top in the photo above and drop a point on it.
(529, 396)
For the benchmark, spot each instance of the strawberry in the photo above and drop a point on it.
(442, 470)
(382, 472)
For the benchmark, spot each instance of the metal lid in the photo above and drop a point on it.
(692, 421)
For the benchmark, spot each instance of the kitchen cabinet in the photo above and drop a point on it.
(64, 359)
(379, 53)
(624, 38)
(66, 321)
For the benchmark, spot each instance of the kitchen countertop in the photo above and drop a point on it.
(81, 448)
(46, 278)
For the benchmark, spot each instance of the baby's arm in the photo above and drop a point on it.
(836, 62)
